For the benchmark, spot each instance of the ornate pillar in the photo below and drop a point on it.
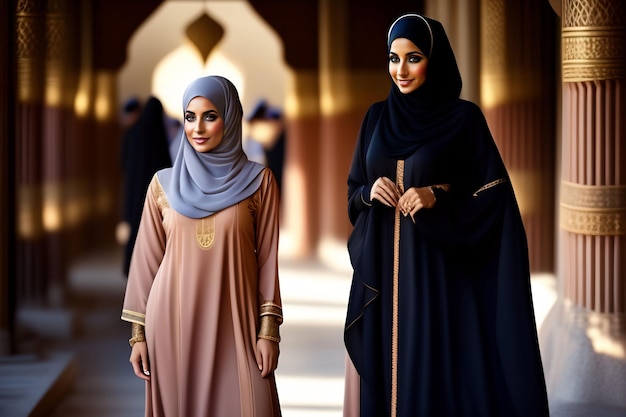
(593, 186)
(77, 89)
(81, 200)
(30, 50)
(584, 337)
(55, 143)
(517, 96)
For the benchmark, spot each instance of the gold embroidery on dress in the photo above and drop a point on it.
(205, 232)
(395, 295)
(489, 185)
(159, 195)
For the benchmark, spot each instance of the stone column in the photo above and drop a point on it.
(80, 193)
(593, 185)
(55, 144)
(107, 175)
(301, 171)
(584, 337)
(347, 89)
(461, 19)
(30, 49)
(517, 96)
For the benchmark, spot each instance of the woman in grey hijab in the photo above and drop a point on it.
(203, 292)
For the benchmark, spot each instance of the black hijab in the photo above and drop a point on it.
(409, 120)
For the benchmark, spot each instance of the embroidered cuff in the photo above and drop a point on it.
(271, 318)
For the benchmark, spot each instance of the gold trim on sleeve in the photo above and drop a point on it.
(269, 308)
(489, 185)
(134, 317)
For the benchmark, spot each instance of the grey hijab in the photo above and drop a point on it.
(201, 184)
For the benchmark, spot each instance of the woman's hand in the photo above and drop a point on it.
(139, 360)
(385, 191)
(267, 356)
(415, 199)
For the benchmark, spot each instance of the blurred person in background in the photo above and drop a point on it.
(265, 142)
(145, 150)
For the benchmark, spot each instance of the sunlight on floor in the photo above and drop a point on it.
(302, 396)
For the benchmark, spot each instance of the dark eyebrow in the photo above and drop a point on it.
(410, 53)
(206, 112)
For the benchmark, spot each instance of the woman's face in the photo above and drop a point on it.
(407, 65)
(204, 126)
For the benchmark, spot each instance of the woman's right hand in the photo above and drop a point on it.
(385, 191)
(139, 360)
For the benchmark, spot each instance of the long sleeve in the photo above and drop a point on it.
(359, 186)
(147, 256)
(267, 230)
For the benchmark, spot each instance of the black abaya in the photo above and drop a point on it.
(461, 340)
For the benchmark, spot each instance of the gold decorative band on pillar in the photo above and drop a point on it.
(592, 37)
(597, 210)
(593, 53)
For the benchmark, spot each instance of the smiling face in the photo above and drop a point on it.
(407, 65)
(204, 126)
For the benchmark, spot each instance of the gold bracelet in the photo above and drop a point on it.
(271, 319)
(269, 329)
(137, 333)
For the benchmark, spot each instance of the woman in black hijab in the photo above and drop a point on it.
(440, 318)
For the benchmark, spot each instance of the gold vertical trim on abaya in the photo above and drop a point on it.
(394, 315)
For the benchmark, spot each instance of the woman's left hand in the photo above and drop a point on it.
(267, 356)
(415, 199)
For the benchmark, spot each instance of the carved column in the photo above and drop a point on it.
(584, 336)
(517, 96)
(55, 144)
(81, 204)
(593, 186)
(349, 84)
(30, 24)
